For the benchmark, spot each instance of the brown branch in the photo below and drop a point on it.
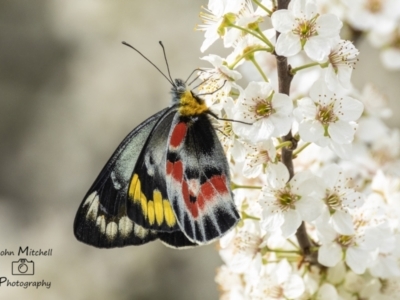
(285, 78)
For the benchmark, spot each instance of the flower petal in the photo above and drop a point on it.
(357, 260)
(329, 254)
(328, 25)
(309, 208)
(317, 48)
(341, 132)
(311, 131)
(342, 222)
(283, 21)
(292, 222)
(349, 109)
(288, 44)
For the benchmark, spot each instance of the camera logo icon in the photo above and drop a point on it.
(22, 267)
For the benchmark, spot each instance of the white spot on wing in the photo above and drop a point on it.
(125, 226)
(140, 231)
(194, 186)
(101, 223)
(89, 199)
(111, 230)
(93, 201)
(117, 185)
(149, 165)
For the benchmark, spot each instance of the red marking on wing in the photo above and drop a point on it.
(191, 206)
(175, 170)
(216, 184)
(208, 190)
(178, 134)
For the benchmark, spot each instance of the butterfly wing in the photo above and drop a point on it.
(148, 204)
(102, 219)
(198, 181)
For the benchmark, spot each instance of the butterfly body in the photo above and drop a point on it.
(168, 179)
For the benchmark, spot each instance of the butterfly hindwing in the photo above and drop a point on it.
(198, 182)
(95, 227)
(102, 219)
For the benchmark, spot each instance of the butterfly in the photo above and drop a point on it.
(168, 179)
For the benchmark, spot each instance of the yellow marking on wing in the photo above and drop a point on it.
(137, 189)
(158, 207)
(168, 213)
(190, 106)
(156, 210)
(150, 212)
(143, 204)
(133, 187)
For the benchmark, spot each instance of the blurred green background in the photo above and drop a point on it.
(69, 93)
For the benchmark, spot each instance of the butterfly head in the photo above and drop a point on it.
(189, 103)
(178, 88)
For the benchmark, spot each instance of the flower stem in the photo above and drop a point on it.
(259, 4)
(295, 153)
(246, 216)
(248, 31)
(246, 54)
(284, 144)
(238, 186)
(313, 64)
(259, 69)
(265, 39)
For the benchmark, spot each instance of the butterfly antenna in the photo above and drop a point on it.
(169, 79)
(166, 61)
(190, 75)
(203, 82)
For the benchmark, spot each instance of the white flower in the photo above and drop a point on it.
(301, 26)
(220, 79)
(339, 199)
(327, 291)
(342, 60)
(270, 113)
(214, 17)
(232, 145)
(375, 15)
(375, 101)
(241, 248)
(287, 203)
(386, 149)
(248, 44)
(389, 44)
(258, 157)
(327, 118)
(217, 83)
(245, 17)
(371, 126)
(391, 58)
(278, 282)
(230, 284)
(355, 249)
